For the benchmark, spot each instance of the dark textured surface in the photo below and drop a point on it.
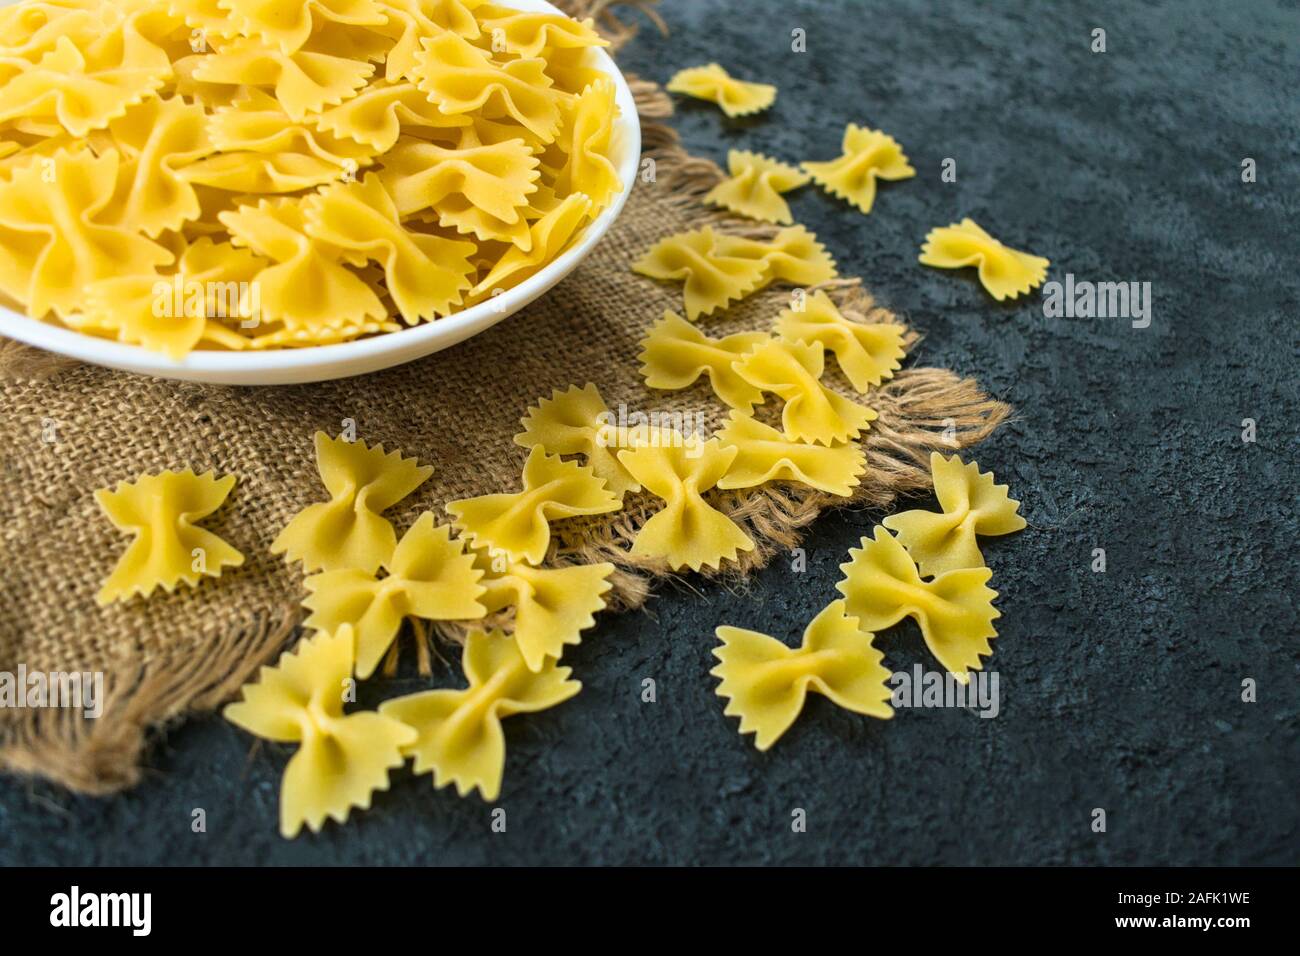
(1119, 690)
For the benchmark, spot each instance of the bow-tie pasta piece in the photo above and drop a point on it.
(429, 576)
(257, 148)
(792, 371)
(172, 314)
(411, 21)
(688, 532)
(793, 256)
(675, 354)
(553, 606)
(459, 735)
(518, 525)
(713, 83)
(766, 683)
(526, 34)
(376, 116)
(585, 141)
(495, 179)
(161, 512)
(158, 137)
(460, 78)
(51, 247)
(868, 155)
(426, 276)
(755, 187)
(288, 26)
(1005, 272)
(577, 421)
(304, 82)
(549, 236)
(308, 287)
(764, 454)
(713, 279)
(882, 585)
(342, 759)
(348, 531)
(972, 504)
(867, 353)
(81, 88)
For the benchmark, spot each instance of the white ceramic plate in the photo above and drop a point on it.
(318, 363)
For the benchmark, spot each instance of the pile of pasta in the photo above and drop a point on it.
(223, 174)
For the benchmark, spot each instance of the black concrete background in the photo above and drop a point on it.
(1120, 690)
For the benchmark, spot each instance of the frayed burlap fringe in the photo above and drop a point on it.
(920, 410)
(103, 755)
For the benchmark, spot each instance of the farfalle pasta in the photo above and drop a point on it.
(882, 585)
(867, 353)
(793, 256)
(755, 185)
(972, 505)
(687, 532)
(577, 421)
(52, 242)
(458, 732)
(349, 531)
(518, 524)
(385, 162)
(552, 606)
(712, 279)
(342, 759)
(711, 82)
(429, 576)
(868, 155)
(766, 683)
(675, 354)
(1005, 272)
(763, 454)
(792, 371)
(161, 511)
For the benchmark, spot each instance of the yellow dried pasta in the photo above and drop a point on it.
(687, 532)
(161, 512)
(882, 585)
(711, 82)
(387, 162)
(972, 505)
(429, 576)
(868, 155)
(712, 279)
(755, 185)
(552, 606)
(1005, 272)
(766, 683)
(763, 454)
(867, 353)
(349, 531)
(458, 732)
(812, 412)
(675, 354)
(518, 524)
(342, 759)
(577, 421)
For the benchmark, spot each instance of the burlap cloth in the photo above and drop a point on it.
(68, 428)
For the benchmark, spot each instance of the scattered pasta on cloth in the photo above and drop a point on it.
(382, 163)
(182, 175)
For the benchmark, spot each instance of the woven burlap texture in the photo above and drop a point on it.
(67, 429)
